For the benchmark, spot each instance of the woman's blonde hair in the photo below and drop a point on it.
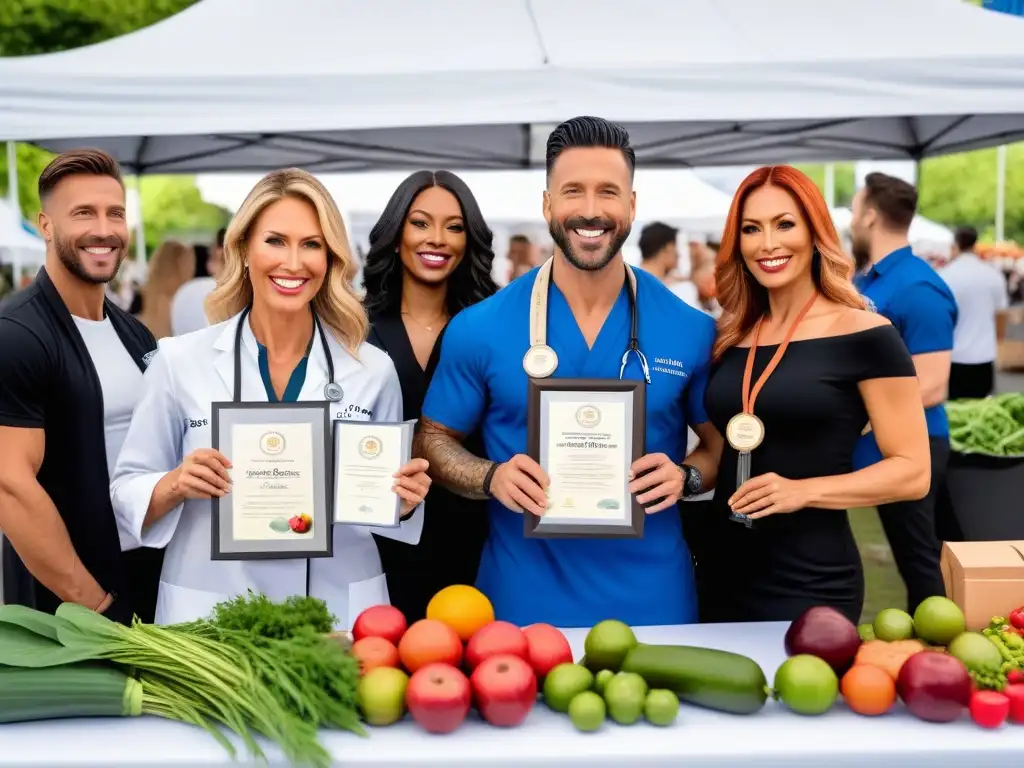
(173, 264)
(336, 303)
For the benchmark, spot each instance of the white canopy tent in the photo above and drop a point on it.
(338, 85)
(19, 248)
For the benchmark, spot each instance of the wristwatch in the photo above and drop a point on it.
(693, 480)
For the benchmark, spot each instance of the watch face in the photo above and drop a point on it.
(694, 480)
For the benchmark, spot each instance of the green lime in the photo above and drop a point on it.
(866, 632)
(625, 694)
(807, 685)
(601, 680)
(587, 711)
(976, 651)
(607, 645)
(661, 707)
(939, 620)
(563, 682)
(892, 624)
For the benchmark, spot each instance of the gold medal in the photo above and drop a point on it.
(744, 432)
(540, 361)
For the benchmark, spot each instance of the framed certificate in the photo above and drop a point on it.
(586, 433)
(367, 454)
(279, 505)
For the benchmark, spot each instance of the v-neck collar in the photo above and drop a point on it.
(611, 340)
(393, 338)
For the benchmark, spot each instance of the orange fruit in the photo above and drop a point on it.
(429, 641)
(868, 690)
(464, 609)
(373, 652)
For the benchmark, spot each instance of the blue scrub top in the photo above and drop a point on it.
(295, 382)
(906, 290)
(480, 381)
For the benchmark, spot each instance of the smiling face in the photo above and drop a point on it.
(590, 205)
(433, 237)
(287, 255)
(776, 243)
(84, 218)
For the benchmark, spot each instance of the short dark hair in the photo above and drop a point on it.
(654, 237)
(893, 198)
(77, 162)
(520, 239)
(965, 238)
(589, 132)
(221, 233)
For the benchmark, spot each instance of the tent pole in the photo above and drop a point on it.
(830, 185)
(12, 176)
(140, 230)
(1000, 192)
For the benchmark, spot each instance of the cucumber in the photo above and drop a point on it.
(727, 682)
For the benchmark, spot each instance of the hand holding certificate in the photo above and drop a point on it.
(375, 480)
(584, 434)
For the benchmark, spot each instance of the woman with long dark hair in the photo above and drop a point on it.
(800, 368)
(430, 257)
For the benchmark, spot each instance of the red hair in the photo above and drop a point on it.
(742, 298)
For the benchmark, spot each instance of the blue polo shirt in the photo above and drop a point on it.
(906, 290)
(480, 381)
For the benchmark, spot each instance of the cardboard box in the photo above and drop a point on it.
(985, 578)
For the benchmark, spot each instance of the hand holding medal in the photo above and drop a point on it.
(745, 432)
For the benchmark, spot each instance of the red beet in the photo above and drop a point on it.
(824, 632)
(934, 686)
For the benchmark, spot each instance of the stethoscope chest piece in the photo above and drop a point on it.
(333, 392)
(540, 361)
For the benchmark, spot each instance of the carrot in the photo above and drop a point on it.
(889, 657)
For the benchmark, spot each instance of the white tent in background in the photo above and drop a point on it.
(18, 247)
(376, 85)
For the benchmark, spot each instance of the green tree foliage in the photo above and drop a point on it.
(172, 205)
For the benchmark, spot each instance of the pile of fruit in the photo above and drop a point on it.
(457, 658)
(928, 661)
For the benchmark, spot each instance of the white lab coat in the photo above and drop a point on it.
(172, 419)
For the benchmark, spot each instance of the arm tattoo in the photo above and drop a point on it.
(451, 465)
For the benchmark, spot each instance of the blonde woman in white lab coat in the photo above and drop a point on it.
(284, 278)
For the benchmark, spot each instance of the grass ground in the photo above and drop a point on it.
(883, 585)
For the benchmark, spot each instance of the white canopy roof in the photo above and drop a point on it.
(337, 85)
(16, 244)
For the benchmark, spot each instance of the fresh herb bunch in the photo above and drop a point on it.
(258, 615)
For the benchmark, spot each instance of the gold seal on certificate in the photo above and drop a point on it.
(744, 432)
(585, 433)
(278, 506)
(367, 454)
(540, 361)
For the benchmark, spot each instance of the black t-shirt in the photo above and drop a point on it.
(48, 381)
(813, 415)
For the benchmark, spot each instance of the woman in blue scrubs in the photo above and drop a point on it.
(430, 257)
(480, 383)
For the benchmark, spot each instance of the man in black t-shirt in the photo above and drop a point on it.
(70, 372)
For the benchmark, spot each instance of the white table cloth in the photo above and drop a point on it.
(772, 738)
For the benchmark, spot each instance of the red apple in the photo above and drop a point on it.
(504, 689)
(438, 697)
(380, 621)
(496, 638)
(547, 648)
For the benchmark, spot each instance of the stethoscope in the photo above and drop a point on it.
(540, 360)
(332, 390)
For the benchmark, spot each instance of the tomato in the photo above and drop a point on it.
(1015, 694)
(989, 709)
(868, 690)
(373, 652)
(428, 641)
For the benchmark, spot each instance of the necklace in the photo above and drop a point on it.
(421, 324)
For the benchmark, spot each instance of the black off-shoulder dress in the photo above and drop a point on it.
(813, 415)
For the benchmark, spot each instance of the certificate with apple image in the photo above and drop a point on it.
(279, 503)
(367, 454)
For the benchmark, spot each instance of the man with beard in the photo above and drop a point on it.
(480, 380)
(922, 308)
(70, 374)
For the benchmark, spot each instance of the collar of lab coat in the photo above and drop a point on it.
(316, 367)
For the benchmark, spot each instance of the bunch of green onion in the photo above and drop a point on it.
(78, 663)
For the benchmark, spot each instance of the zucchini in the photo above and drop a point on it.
(719, 680)
(84, 689)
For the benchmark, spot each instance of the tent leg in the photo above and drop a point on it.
(1000, 192)
(140, 230)
(12, 175)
